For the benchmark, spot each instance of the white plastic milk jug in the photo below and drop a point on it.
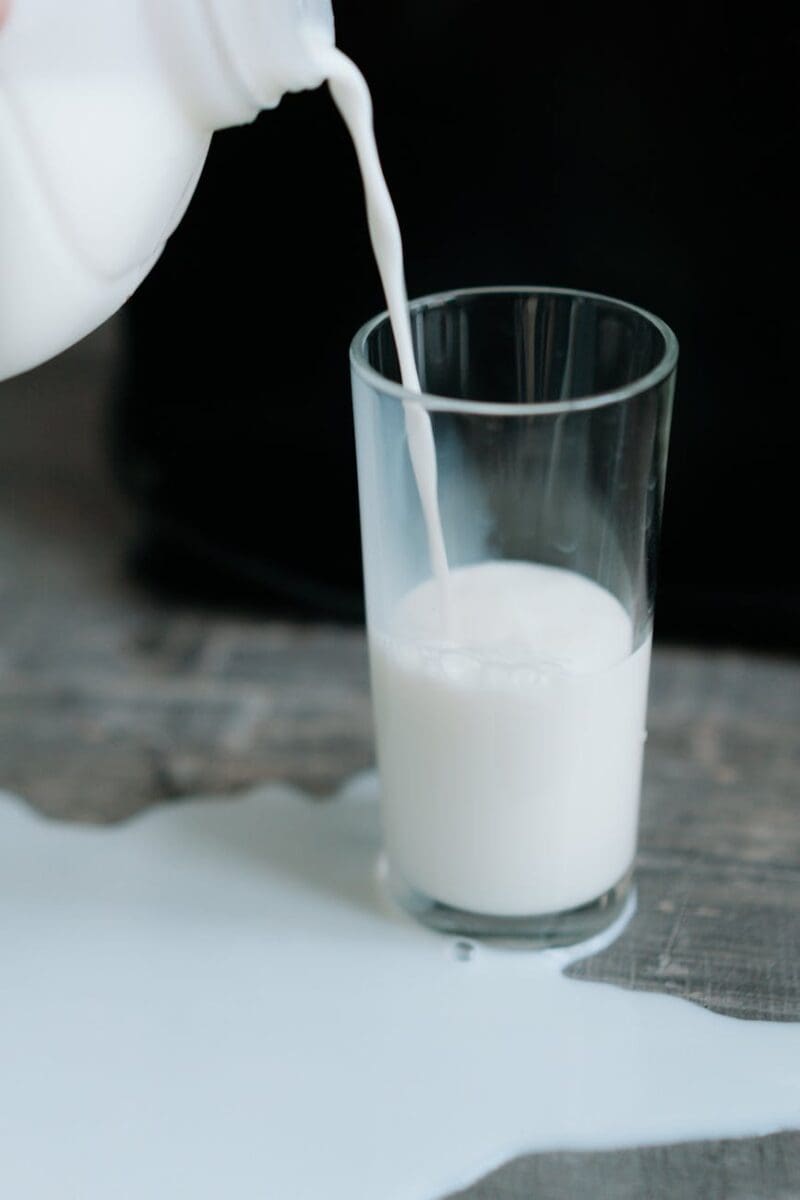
(107, 108)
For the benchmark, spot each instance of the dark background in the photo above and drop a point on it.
(645, 153)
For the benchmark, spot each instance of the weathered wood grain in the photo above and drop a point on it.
(111, 700)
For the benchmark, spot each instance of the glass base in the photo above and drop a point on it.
(542, 931)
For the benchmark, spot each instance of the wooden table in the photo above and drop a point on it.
(111, 700)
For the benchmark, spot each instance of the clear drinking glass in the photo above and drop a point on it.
(510, 714)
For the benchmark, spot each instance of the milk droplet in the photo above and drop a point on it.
(464, 951)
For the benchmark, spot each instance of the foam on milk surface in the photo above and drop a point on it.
(511, 754)
(521, 613)
(213, 999)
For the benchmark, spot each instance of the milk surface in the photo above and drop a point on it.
(510, 753)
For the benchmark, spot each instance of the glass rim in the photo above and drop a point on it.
(655, 376)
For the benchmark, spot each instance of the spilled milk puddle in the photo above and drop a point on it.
(214, 1000)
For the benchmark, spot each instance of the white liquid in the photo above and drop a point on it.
(511, 756)
(351, 95)
(210, 1001)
